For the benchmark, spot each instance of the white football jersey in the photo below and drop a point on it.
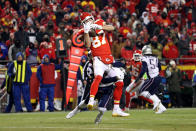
(152, 65)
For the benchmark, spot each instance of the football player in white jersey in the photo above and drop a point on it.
(151, 66)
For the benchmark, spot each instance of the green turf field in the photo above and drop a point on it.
(183, 119)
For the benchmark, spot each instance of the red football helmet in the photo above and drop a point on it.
(85, 16)
(137, 55)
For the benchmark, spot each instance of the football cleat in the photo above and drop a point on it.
(98, 118)
(161, 109)
(156, 106)
(119, 113)
(91, 103)
(73, 113)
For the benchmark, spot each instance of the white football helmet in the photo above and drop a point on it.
(146, 50)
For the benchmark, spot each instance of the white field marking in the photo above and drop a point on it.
(101, 128)
(60, 112)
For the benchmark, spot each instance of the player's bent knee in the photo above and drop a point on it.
(119, 84)
(98, 78)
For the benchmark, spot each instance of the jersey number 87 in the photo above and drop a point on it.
(98, 41)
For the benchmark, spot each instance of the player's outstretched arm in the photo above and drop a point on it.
(104, 27)
(86, 35)
(108, 27)
(87, 40)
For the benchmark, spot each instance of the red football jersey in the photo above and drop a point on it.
(136, 69)
(152, 8)
(100, 45)
(192, 46)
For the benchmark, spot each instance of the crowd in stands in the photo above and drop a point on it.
(32, 27)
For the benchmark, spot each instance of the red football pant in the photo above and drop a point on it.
(128, 98)
(118, 92)
(95, 85)
(146, 99)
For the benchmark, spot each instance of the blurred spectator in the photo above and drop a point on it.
(183, 45)
(116, 47)
(192, 29)
(138, 28)
(14, 49)
(31, 34)
(59, 14)
(132, 6)
(125, 30)
(151, 27)
(5, 34)
(10, 41)
(46, 76)
(152, 8)
(194, 11)
(3, 51)
(42, 32)
(22, 35)
(88, 3)
(133, 22)
(50, 28)
(170, 50)
(33, 54)
(141, 7)
(192, 44)
(127, 51)
(64, 30)
(156, 47)
(174, 76)
(123, 12)
(46, 47)
(21, 71)
(140, 42)
(145, 18)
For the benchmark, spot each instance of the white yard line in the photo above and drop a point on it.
(101, 128)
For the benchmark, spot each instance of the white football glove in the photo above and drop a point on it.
(87, 27)
(95, 27)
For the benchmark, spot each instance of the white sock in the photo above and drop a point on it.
(154, 98)
(91, 99)
(116, 106)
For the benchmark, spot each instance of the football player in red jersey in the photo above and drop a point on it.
(152, 71)
(102, 58)
(131, 90)
(136, 65)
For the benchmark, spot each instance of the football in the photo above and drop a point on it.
(92, 33)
